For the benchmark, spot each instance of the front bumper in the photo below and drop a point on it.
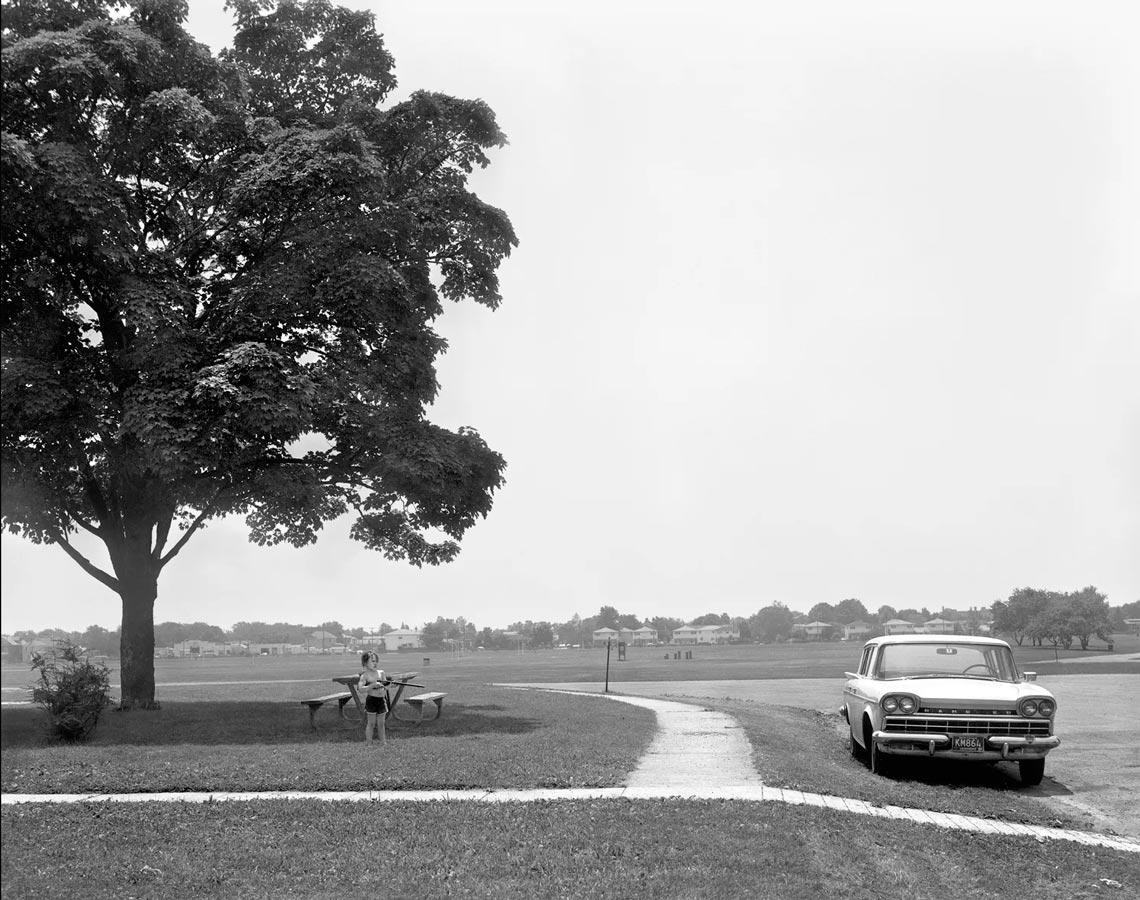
(997, 747)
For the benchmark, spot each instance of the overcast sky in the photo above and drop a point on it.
(813, 300)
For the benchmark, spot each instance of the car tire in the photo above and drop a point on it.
(1031, 770)
(876, 759)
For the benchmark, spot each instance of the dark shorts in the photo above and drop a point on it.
(375, 704)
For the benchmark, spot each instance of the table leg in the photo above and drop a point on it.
(392, 701)
(356, 699)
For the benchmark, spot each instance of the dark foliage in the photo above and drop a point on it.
(72, 690)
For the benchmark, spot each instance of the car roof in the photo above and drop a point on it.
(937, 639)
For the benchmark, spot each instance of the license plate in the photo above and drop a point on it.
(969, 743)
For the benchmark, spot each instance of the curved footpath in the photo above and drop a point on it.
(692, 745)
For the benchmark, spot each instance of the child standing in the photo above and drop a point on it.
(373, 684)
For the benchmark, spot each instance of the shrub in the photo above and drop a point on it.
(72, 690)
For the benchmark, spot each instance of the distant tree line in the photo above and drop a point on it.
(1059, 619)
(1042, 617)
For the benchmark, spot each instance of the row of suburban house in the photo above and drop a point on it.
(854, 631)
(409, 639)
(686, 634)
(317, 642)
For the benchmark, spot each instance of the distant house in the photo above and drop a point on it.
(939, 626)
(634, 637)
(705, 634)
(644, 635)
(857, 631)
(602, 635)
(403, 639)
(322, 640)
(270, 649)
(899, 626)
(201, 648)
(816, 631)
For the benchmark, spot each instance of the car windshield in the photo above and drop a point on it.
(947, 660)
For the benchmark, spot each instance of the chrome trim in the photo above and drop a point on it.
(994, 745)
(920, 725)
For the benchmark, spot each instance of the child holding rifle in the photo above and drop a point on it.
(373, 684)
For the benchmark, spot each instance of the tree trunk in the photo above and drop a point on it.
(136, 648)
(138, 587)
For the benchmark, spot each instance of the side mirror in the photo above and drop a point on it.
(1028, 676)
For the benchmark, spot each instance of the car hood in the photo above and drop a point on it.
(950, 691)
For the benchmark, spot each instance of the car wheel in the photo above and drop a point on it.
(876, 759)
(1031, 770)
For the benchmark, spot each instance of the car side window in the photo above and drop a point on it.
(865, 662)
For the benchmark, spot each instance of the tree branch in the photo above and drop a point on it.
(86, 565)
(194, 526)
(83, 523)
(161, 534)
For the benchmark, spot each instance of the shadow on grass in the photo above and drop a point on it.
(955, 775)
(246, 722)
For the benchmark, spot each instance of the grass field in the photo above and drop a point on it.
(236, 725)
(286, 677)
(576, 850)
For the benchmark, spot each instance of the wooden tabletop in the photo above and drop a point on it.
(355, 679)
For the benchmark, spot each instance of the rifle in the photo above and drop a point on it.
(405, 684)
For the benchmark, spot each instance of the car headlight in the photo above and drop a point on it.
(904, 704)
(1037, 706)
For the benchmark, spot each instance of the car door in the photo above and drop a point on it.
(856, 695)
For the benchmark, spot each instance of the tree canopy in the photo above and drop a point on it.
(219, 279)
(1055, 617)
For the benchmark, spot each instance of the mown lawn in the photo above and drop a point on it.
(284, 678)
(565, 849)
(487, 737)
(492, 738)
(224, 733)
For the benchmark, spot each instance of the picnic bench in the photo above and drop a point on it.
(420, 700)
(341, 697)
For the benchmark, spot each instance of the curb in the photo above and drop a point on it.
(746, 793)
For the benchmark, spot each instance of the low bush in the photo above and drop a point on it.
(72, 690)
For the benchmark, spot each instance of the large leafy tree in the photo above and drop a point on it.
(851, 610)
(1022, 615)
(219, 278)
(772, 623)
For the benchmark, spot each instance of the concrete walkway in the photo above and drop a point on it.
(692, 744)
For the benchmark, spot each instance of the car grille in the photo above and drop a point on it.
(963, 711)
(998, 727)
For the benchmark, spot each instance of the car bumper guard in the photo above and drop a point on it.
(994, 743)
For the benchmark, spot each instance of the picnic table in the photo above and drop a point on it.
(352, 682)
(400, 680)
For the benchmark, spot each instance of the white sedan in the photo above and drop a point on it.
(947, 697)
